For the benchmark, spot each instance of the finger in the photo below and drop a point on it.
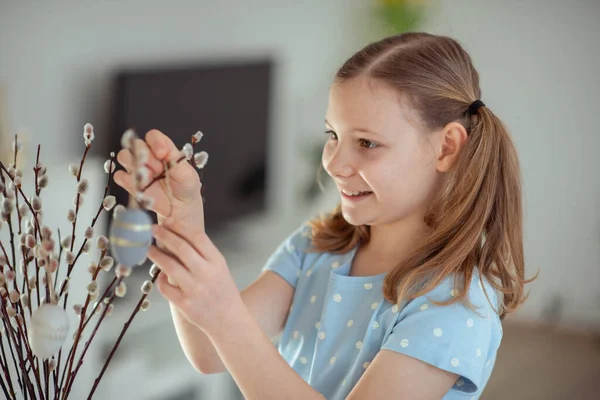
(195, 237)
(179, 246)
(170, 266)
(126, 159)
(170, 292)
(155, 165)
(162, 146)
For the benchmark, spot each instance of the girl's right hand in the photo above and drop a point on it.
(184, 180)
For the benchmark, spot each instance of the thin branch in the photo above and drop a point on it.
(161, 176)
(71, 379)
(5, 369)
(116, 345)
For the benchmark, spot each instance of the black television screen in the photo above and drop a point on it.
(228, 103)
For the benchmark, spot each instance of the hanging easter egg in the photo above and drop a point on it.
(130, 236)
(48, 330)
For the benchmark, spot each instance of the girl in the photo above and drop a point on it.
(400, 291)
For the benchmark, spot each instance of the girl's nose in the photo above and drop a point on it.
(339, 163)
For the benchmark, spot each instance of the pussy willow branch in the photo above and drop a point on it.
(79, 332)
(161, 176)
(19, 307)
(5, 368)
(104, 296)
(9, 220)
(70, 267)
(26, 383)
(71, 379)
(7, 325)
(36, 373)
(38, 189)
(116, 345)
(100, 301)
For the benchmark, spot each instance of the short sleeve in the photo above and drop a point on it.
(287, 259)
(453, 338)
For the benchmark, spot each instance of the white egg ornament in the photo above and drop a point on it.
(130, 236)
(48, 330)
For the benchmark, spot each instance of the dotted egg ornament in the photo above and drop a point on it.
(130, 236)
(48, 331)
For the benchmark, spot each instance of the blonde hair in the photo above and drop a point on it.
(477, 219)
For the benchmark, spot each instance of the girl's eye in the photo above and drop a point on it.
(332, 135)
(368, 144)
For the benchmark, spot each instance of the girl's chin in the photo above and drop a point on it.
(355, 218)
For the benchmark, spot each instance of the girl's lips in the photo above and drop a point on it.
(356, 198)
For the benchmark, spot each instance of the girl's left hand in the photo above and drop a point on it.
(202, 287)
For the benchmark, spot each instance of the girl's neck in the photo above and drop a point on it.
(391, 244)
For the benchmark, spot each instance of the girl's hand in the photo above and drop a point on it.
(184, 180)
(201, 287)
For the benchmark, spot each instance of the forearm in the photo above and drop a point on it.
(196, 345)
(255, 364)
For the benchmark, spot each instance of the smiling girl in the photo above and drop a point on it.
(397, 293)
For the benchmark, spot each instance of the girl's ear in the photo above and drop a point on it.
(452, 137)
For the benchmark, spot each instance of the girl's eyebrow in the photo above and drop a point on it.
(360, 130)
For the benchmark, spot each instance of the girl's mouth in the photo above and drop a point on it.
(356, 196)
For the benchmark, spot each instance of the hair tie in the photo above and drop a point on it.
(474, 107)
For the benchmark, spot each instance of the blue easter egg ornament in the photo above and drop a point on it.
(130, 236)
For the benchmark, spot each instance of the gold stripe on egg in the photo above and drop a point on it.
(132, 227)
(127, 243)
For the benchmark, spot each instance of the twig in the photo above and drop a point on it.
(71, 379)
(116, 345)
(161, 176)
(18, 345)
(36, 372)
(4, 389)
(70, 266)
(79, 332)
(93, 312)
(5, 369)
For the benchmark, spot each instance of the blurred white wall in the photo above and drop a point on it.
(537, 60)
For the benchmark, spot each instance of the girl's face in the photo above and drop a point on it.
(376, 147)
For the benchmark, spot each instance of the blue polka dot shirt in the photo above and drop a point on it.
(338, 323)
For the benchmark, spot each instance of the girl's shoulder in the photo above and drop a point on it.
(480, 302)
